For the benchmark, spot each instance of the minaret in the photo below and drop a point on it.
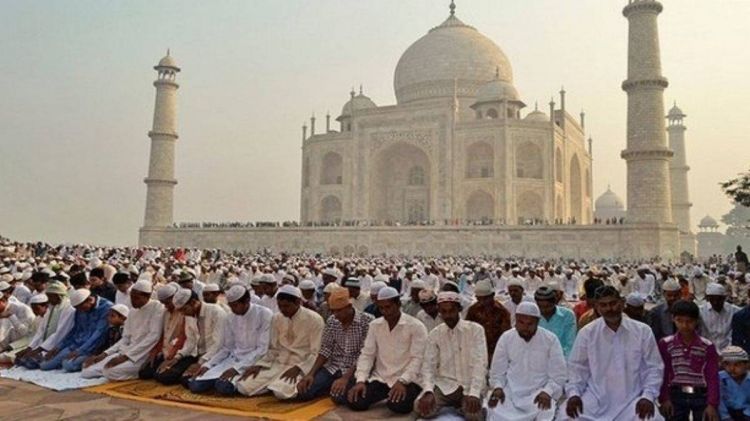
(160, 181)
(678, 169)
(647, 154)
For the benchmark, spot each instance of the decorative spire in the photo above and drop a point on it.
(536, 105)
(352, 93)
(453, 8)
(167, 51)
(360, 89)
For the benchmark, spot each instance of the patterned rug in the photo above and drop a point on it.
(267, 406)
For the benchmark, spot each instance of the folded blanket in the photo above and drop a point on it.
(57, 380)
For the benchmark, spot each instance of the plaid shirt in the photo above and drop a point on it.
(342, 346)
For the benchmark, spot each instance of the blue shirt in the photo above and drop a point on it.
(741, 329)
(89, 329)
(735, 396)
(563, 325)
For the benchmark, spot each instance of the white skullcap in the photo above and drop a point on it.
(716, 289)
(144, 286)
(307, 285)
(39, 299)
(165, 292)
(515, 282)
(418, 283)
(329, 288)
(377, 286)
(671, 285)
(4, 286)
(555, 285)
(387, 293)
(211, 288)
(235, 293)
(331, 272)
(181, 297)
(697, 273)
(122, 309)
(484, 289)
(267, 279)
(290, 290)
(634, 299)
(528, 308)
(353, 282)
(79, 296)
(448, 297)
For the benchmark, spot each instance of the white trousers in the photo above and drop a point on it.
(124, 371)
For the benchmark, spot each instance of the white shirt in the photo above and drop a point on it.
(56, 329)
(428, 321)
(525, 369)
(295, 341)
(246, 337)
(23, 293)
(142, 330)
(204, 333)
(20, 319)
(614, 368)
(379, 360)
(269, 303)
(432, 282)
(717, 327)
(456, 358)
(644, 286)
(123, 298)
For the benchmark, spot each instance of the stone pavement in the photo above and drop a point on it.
(22, 401)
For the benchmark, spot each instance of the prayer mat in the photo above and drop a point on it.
(266, 406)
(56, 380)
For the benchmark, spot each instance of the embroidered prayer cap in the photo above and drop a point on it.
(181, 297)
(235, 293)
(527, 308)
(352, 282)
(144, 286)
(716, 289)
(545, 293)
(388, 293)
(484, 289)
(734, 353)
(671, 285)
(39, 299)
(165, 292)
(79, 296)
(56, 288)
(267, 278)
(448, 297)
(122, 309)
(515, 282)
(427, 296)
(290, 290)
(307, 285)
(634, 299)
(338, 299)
(211, 288)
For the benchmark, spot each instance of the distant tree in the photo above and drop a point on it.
(738, 189)
(738, 222)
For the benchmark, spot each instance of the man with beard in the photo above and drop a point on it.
(615, 369)
(659, 317)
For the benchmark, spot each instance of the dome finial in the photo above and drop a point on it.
(453, 8)
(360, 89)
(352, 93)
(167, 51)
(536, 105)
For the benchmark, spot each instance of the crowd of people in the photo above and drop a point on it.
(491, 338)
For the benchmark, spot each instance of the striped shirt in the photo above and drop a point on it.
(341, 347)
(693, 364)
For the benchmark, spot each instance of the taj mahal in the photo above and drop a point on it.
(462, 164)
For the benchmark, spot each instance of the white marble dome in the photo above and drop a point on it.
(168, 61)
(609, 200)
(537, 115)
(451, 56)
(708, 222)
(356, 103)
(497, 90)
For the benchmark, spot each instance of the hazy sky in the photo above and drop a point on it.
(77, 101)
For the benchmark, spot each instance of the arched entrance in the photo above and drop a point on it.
(480, 207)
(400, 185)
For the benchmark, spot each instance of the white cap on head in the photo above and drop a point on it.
(79, 296)
(387, 293)
(697, 273)
(122, 309)
(714, 288)
(290, 290)
(448, 297)
(515, 282)
(4, 286)
(181, 297)
(331, 272)
(235, 293)
(484, 289)
(39, 299)
(307, 285)
(267, 279)
(211, 288)
(376, 287)
(329, 288)
(352, 282)
(528, 308)
(634, 299)
(418, 284)
(143, 286)
(165, 292)
(671, 285)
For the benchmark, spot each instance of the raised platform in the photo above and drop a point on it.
(549, 241)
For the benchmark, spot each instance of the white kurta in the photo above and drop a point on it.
(245, 340)
(611, 371)
(717, 327)
(428, 321)
(123, 298)
(204, 333)
(141, 332)
(295, 341)
(523, 370)
(17, 324)
(455, 358)
(51, 332)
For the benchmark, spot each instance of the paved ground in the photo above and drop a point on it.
(22, 401)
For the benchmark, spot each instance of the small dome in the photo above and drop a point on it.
(708, 222)
(356, 103)
(168, 61)
(537, 115)
(676, 112)
(609, 200)
(495, 91)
